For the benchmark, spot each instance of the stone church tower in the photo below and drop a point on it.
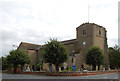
(88, 35)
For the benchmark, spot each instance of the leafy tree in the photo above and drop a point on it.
(1, 63)
(94, 56)
(114, 57)
(18, 57)
(55, 53)
(4, 63)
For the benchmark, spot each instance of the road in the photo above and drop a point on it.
(21, 76)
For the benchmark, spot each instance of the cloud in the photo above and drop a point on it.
(112, 42)
(35, 21)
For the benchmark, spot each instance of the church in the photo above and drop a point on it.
(87, 35)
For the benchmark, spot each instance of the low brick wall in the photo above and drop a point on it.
(7, 72)
(68, 73)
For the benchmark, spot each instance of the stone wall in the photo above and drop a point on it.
(33, 58)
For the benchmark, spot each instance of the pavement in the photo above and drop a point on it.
(22, 76)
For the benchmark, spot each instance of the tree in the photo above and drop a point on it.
(1, 63)
(94, 56)
(55, 53)
(18, 57)
(114, 57)
(4, 63)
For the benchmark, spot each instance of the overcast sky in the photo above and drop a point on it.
(35, 21)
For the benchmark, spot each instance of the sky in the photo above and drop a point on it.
(36, 21)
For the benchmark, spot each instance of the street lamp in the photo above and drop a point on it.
(15, 46)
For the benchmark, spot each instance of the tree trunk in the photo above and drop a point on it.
(22, 68)
(15, 70)
(98, 67)
(94, 67)
(57, 68)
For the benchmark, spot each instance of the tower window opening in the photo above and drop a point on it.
(84, 32)
(99, 32)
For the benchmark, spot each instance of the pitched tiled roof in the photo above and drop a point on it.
(29, 46)
(72, 41)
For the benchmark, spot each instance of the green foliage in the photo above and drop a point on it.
(114, 57)
(94, 56)
(38, 66)
(69, 68)
(4, 63)
(65, 70)
(55, 53)
(18, 57)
